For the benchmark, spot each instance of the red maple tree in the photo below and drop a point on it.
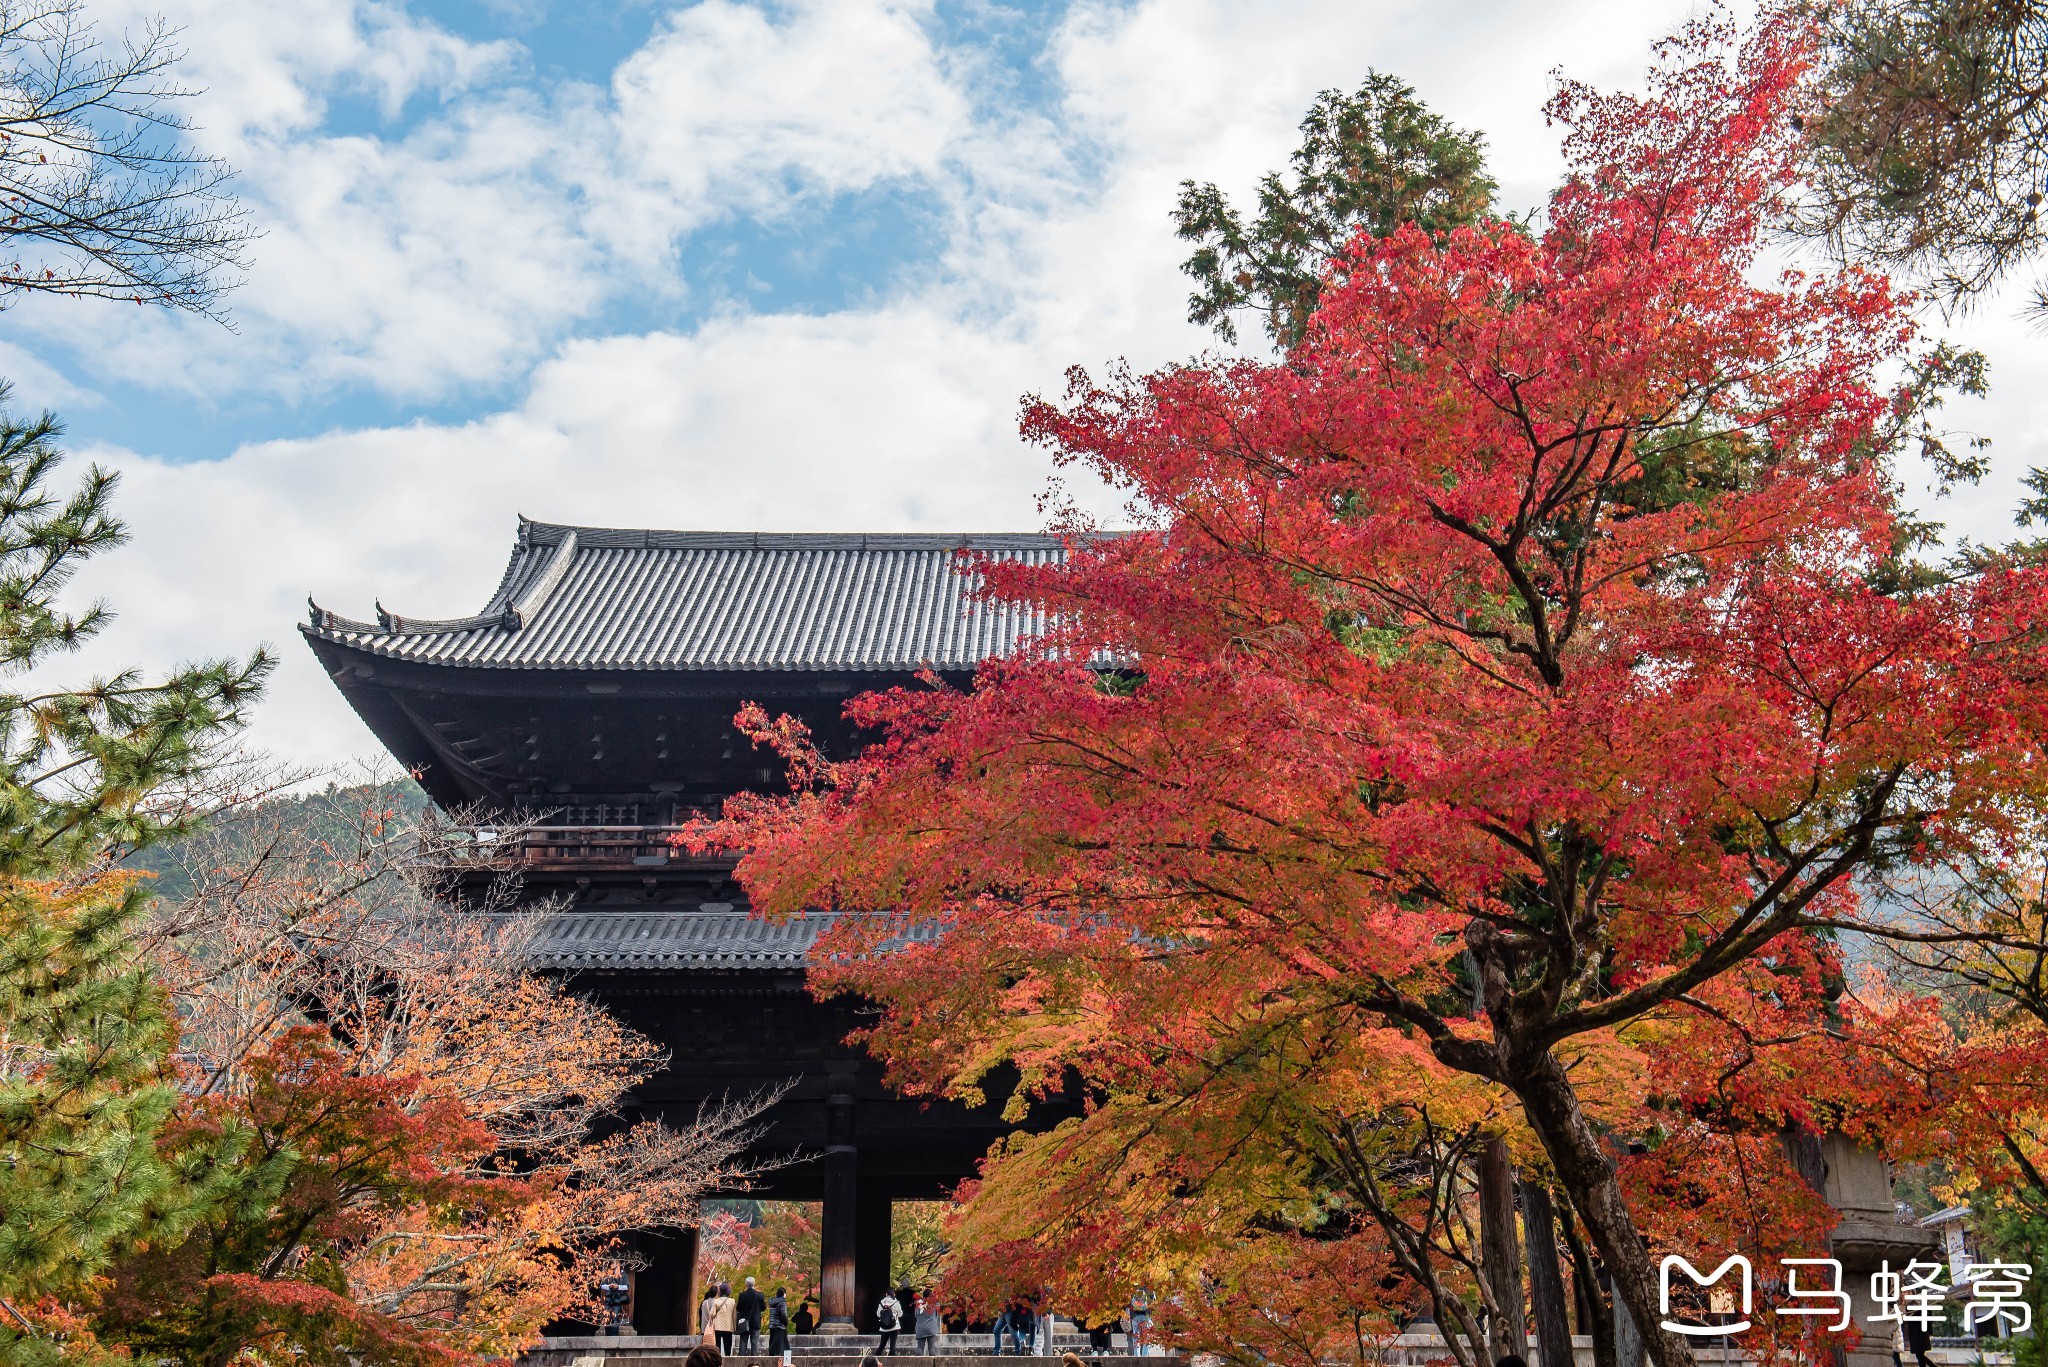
(1523, 670)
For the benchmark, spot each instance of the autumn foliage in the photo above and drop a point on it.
(1485, 730)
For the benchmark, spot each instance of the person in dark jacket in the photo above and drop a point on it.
(749, 1307)
(805, 1321)
(1918, 1341)
(778, 1323)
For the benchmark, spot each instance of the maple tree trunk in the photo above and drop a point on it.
(1500, 1253)
(1546, 1282)
(1588, 1177)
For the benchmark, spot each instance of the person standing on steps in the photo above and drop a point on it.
(748, 1310)
(1918, 1341)
(925, 1325)
(723, 1317)
(889, 1322)
(778, 1323)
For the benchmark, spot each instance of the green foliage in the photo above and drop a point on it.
(1370, 161)
(917, 1243)
(1929, 141)
(324, 825)
(263, 1270)
(86, 1036)
(85, 1091)
(87, 1040)
(2018, 1233)
(89, 771)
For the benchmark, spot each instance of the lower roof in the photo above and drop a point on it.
(677, 940)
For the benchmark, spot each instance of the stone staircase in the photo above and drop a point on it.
(814, 1350)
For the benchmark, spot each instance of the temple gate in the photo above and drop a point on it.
(589, 707)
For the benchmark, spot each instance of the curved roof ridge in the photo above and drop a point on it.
(656, 538)
(609, 598)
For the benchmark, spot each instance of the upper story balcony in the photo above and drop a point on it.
(574, 850)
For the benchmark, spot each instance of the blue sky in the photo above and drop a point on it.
(753, 264)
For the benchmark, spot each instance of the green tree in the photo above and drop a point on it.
(90, 772)
(1929, 138)
(1370, 161)
(87, 774)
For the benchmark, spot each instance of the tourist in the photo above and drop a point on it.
(889, 1322)
(1098, 1336)
(704, 1355)
(926, 1328)
(748, 1311)
(1918, 1341)
(706, 1311)
(1140, 1322)
(1023, 1324)
(723, 1316)
(805, 1321)
(778, 1323)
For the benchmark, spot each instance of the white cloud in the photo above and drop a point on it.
(434, 258)
(456, 251)
(893, 419)
(736, 108)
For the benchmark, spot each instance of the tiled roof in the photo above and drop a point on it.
(605, 598)
(674, 940)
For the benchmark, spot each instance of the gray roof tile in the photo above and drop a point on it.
(676, 940)
(610, 598)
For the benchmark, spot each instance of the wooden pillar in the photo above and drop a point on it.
(874, 1225)
(838, 1229)
(1500, 1252)
(1546, 1282)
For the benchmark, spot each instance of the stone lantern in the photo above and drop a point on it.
(1857, 1183)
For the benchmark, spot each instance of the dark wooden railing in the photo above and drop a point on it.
(571, 849)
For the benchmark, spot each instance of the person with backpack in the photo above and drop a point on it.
(889, 1322)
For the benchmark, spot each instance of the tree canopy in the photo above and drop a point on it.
(1928, 138)
(1498, 704)
(1373, 161)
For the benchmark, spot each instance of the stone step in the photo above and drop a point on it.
(815, 1350)
(623, 1352)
